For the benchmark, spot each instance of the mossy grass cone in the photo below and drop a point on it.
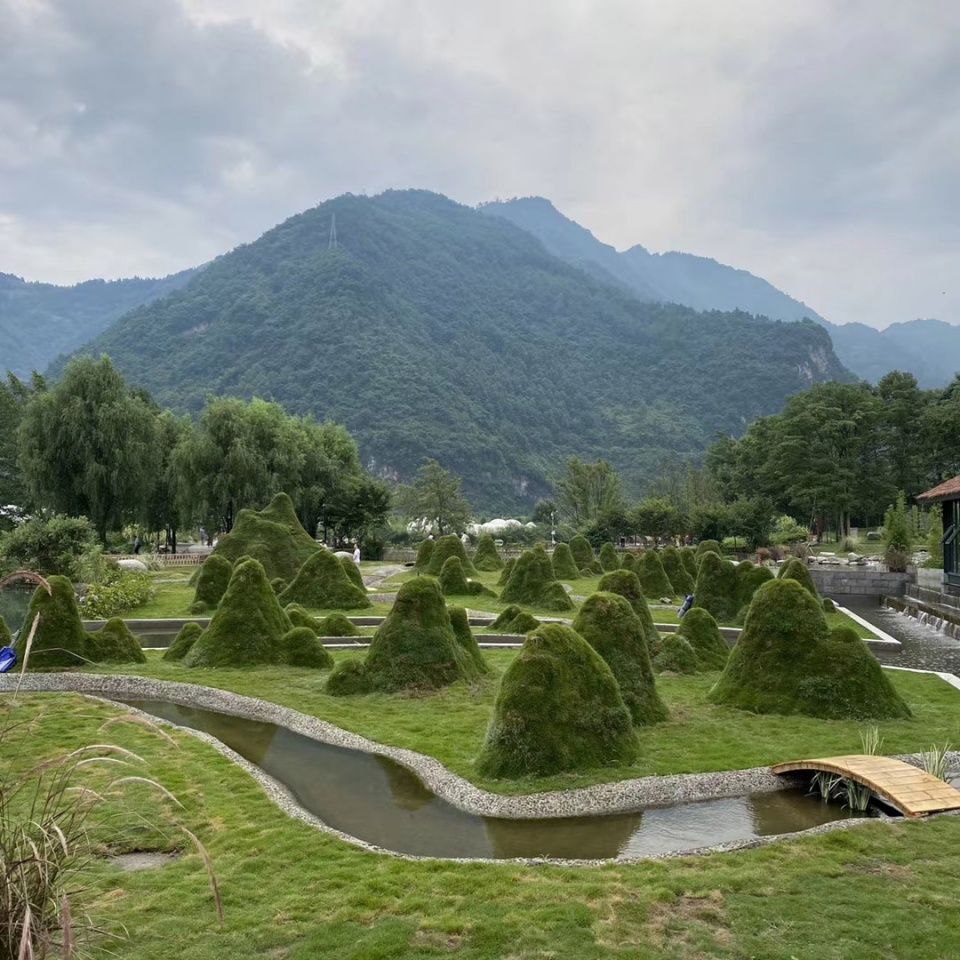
(114, 643)
(797, 569)
(353, 573)
(349, 679)
(628, 560)
(300, 647)
(452, 581)
(564, 566)
(607, 622)
(424, 552)
(5, 635)
(247, 626)
(183, 642)
(506, 617)
(278, 585)
(708, 546)
(787, 662)
(449, 546)
(195, 576)
(653, 578)
(582, 552)
(212, 579)
(336, 625)
(609, 559)
(596, 569)
(828, 605)
(676, 572)
(60, 640)
(532, 583)
(750, 578)
(675, 656)
(461, 630)
(322, 584)
(689, 557)
(716, 589)
(523, 623)
(554, 597)
(626, 584)
(700, 630)
(559, 708)
(273, 536)
(299, 617)
(414, 648)
(506, 571)
(487, 556)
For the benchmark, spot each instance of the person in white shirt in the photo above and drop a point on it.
(356, 554)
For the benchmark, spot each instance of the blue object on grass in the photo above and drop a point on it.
(8, 659)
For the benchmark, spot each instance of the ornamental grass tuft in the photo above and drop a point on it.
(322, 584)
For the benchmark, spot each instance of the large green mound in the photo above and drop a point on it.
(564, 566)
(461, 630)
(444, 548)
(533, 584)
(114, 643)
(797, 569)
(246, 627)
(787, 661)
(424, 552)
(559, 708)
(453, 583)
(300, 647)
(212, 579)
(414, 648)
(716, 589)
(487, 557)
(750, 578)
(272, 536)
(582, 552)
(675, 655)
(653, 579)
(60, 640)
(183, 642)
(321, 583)
(607, 622)
(608, 557)
(627, 585)
(700, 630)
(676, 572)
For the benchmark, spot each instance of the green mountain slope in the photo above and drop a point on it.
(39, 321)
(433, 330)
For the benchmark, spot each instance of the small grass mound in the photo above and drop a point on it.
(708, 546)
(247, 626)
(353, 573)
(212, 579)
(183, 642)
(322, 584)
(609, 559)
(689, 557)
(653, 578)
(532, 583)
(607, 622)
(60, 640)
(508, 619)
(278, 585)
(750, 578)
(564, 566)
(797, 569)
(453, 583)
(676, 655)
(582, 552)
(114, 643)
(787, 661)
(487, 556)
(559, 708)
(336, 625)
(300, 647)
(446, 547)
(716, 589)
(700, 630)
(506, 571)
(414, 648)
(424, 552)
(676, 572)
(628, 560)
(627, 585)
(461, 630)
(299, 617)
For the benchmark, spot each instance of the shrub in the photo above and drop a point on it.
(607, 622)
(353, 573)
(300, 647)
(676, 572)
(212, 579)
(675, 655)
(786, 531)
(935, 539)
(424, 552)
(564, 566)
(127, 591)
(321, 583)
(787, 661)
(114, 643)
(506, 571)
(559, 708)
(700, 630)
(349, 679)
(454, 584)
(60, 640)
(461, 630)
(531, 583)
(487, 557)
(626, 584)
(582, 552)
(50, 547)
(299, 617)
(448, 546)
(653, 578)
(609, 559)
(716, 589)
(708, 546)
(750, 578)
(183, 642)
(897, 538)
(796, 569)
(335, 625)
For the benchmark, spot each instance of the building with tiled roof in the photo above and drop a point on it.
(947, 494)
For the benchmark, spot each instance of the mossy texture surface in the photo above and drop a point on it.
(414, 647)
(487, 556)
(700, 630)
(652, 576)
(183, 642)
(582, 552)
(716, 589)
(5, 635)
(559, 708)
(300, 647)
(336, 625)
(689, 557)
(750, 578)
(299, 617)
(607, 622)
(628, 560)
(247, 626)
(114, 643)
(609, 559)
(564, 566)
(461, 630)
(627, 584)
(533, 584)
(675, 655)
(424, 552)
(60, 640)
(453, 582)
(506, 571)
(676, 572)
(321, 583)
(212, 580)
(708, 546)
(446, 547)
(272, 536)
(353, 573)
(787, 661)
(797, 569)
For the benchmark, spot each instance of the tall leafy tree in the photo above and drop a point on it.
(14, 394)
(900, 416)
(587, 490)
(436, 496)
(164, 511)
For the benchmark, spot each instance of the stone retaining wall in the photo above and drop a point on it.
(853, 582)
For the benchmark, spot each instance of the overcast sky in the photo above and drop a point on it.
(815, 143)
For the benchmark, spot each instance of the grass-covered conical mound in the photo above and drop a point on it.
(336, 625)
(272, 536)
(797, 569)
(453, 583)
(60, 640)
(559, 708)
(609, 559)
(424, 553)
(628, 560)
(582, 552)
(506, 617)
(716, 589)
(607, 622)
(506, 571)
(653, 578)
(247, 626)
(300, 647)
(299, 617)
(353, 573)
(446, 547)
(183, 642)
(212, 580)
(675, 655)
(461, 630)
(114, 643)
(689, 557)
(750, 578)
(676, 572)
(414, 648)
(708, 546)
(5, 635)
(627, 585)
(787, 661)
(700, 630)
(564, 566)
(322, 584)
(487, 556)
(533, 584)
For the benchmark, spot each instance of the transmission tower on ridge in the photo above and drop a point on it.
(333, 231)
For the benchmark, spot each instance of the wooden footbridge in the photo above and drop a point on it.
(912, 791)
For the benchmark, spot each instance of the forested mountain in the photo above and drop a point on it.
(929, 349)
(432, 330)
(39, 321)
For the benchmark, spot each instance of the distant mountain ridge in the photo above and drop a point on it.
(930, 349)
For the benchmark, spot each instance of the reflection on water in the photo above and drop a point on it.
(377, 800)
(14, 601)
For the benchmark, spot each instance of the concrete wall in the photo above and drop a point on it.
(931, 579)
(851, 582)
